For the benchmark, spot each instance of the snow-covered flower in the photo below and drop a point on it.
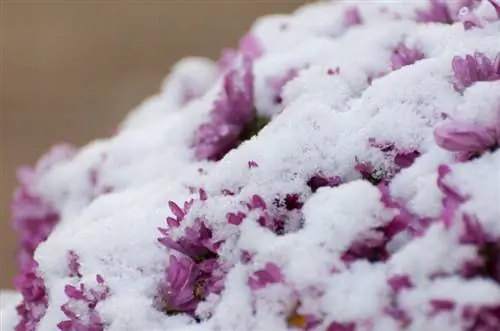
(403, 56)
(365, 204)
(474, 68)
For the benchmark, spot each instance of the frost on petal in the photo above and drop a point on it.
(359, 207)
(84, 316)
(34, 218)
(317, 181)
(176, 290)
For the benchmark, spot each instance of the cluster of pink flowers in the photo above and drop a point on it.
(202, 248)
(82, 301)
(33, 219)
(87, 298)
(233, 117)
(196, 273)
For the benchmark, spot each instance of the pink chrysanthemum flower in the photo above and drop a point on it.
(474, 68)
(468, 140)
(233, 117)
(403, 56)
(80, 308)
(179, 291)
(34, 219)
(437, 12)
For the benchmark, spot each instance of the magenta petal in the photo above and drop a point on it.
(461, 137)
(250, 46)
(172, 222)
(352, 16)
(176, 209)
(484, 66)
(258, 202)
(227, 58)
(235, 219)
(403, 56)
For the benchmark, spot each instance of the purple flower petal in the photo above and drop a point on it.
(403, 56)
(474, 68)
(235, 219)
(352, 16)
(437, 12)
(271, 274)
(335, 326)
(463, 137)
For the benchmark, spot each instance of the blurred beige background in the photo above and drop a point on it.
(70, 70)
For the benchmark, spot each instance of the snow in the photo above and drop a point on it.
(114, 194)
(8, 301)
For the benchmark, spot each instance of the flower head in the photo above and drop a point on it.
(437, 12)
(177, 290)
(88, 319)
(318, 181)
(474, 68)
(232, 111)
(34, 219)
(403, 56)
(440, 11)
(485, 318)
(196, 240)
(186, 283)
